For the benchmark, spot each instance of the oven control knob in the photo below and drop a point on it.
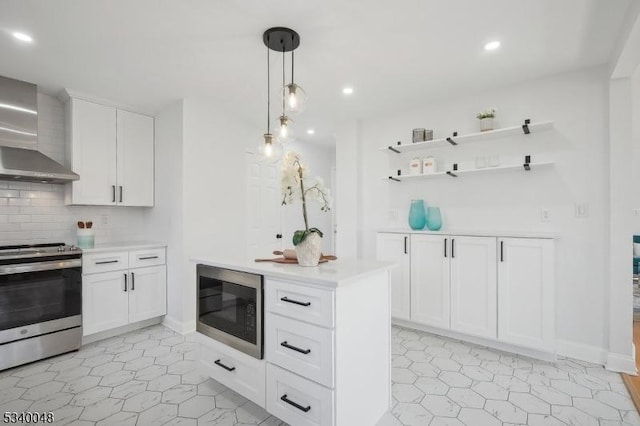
(60, 248)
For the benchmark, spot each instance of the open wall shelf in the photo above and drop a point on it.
(523, 129)
(461, 173)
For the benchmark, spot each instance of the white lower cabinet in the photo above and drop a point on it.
(526, 292)
(495, 288)
(395, 248)
(113, 295)
(296, 400)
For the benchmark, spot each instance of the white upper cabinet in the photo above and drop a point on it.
(395, 248)
(474, 286)
(526, 292)
(113, 152)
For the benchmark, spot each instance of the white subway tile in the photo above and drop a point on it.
(19, 201)
(8, 193)
(19, 218)
(19, 185)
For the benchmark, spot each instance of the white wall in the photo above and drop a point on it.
(35, 213)
(165, 220)
(577, 103)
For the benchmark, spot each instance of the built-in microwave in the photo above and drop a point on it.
(230, 308)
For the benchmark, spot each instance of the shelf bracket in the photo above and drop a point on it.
(394, 150)
(527, 161)
(394, 179)
(451, 141)
(452, 174)
(525, 126)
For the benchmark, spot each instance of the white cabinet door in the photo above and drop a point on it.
(526, 292)
(92, 142)
(147, 293)
(474, 286)
(430, 280)
(395, 248)
(135, 159)
(104, 302)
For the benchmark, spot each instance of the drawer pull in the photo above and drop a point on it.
(147, 257)
(298, 406)
(218, 363)
(104, 262)
(293, 348)
(286, 299)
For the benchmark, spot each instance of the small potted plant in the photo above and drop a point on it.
(296, 185)
(486, 119)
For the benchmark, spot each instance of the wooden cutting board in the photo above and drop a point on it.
(286, 260)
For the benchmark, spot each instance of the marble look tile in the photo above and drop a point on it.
(446, 364)
(543, 420)
(128, 355)
(440, 406)
(72, 374)
(81, 384)
(432, 340)
(101, 409)
(485, 354)
(417, 356)
(596, 409)
(229, 399)
(181, 421)
(512, 384)
(474, 416)
(147, 344)
(142, 401)
(182, 367)
(10, 394)
(172, 340)
(219, 417)
(211, 388)
(121, 418)
(412, 414)
(66, 364)
(52, 402)
(158, 414)
(118, 378)
(407, 334)
(457, 347)
(424, 369)
(119, 348)
(138, 363)
(403, 375)
(505, 411)
(107, 369)
(151, 372)
(42, 391)
(453, 379)
(16, 405)
(196, 406)
(157, 351)
(194, 377)
(30, 369)
(432, 386)
(135, 338)
(515, 362)
(550, 372)
(445, 421)
(168, 359)
(90, 396)
(466, 398)
(250, 413)
(466, 359)
(438, 352)
(67, 414)
(164, 382)
(179, 393)
(591, 382)
(400, 361)
(551, 395)
(185, 347)
(529, 403)
(571, 388)
(407, 393)
(111, 341)
(414, 345)
(477, 373)
(9, 381)
(615, 400)
(129, 389)
(572, 416)
(490, 390)
(36, 379)
(97, 360)
(495, 367)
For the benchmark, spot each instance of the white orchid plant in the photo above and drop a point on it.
(487, 113)
(296, 185)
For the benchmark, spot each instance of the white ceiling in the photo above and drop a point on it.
(396, 54)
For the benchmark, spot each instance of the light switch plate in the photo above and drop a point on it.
(582, 210)
(545, 215)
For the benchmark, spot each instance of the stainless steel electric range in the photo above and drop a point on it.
(40, 302)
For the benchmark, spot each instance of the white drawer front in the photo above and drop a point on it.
(105, 262)
(300, 302)
(151, 257)
(247, 375)
(314, 402)
(302, 348)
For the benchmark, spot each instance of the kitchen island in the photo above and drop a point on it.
(327, 343)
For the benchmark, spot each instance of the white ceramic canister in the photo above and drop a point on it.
(428, 165)
(415, 166)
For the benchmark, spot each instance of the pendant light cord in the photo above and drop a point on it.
(268, 90)
(283, 82)
(292, 61)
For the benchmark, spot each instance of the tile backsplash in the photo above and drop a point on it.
(35, 213)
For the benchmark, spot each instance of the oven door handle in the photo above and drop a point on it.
(39, 266)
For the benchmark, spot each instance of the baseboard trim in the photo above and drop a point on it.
(581, 352)
(179, 327)
(120, 330)
(506, 347)
(621, 363)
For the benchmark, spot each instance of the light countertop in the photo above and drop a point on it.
(331, 274)
(124, 245)
(475, 233)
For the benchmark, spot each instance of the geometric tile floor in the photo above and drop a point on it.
(151, 377)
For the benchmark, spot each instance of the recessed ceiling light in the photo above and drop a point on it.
(492, 45)
(23, 37)
(347, 90)
(310, 132)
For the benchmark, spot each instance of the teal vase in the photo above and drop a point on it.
(434, 219)
(417, 215)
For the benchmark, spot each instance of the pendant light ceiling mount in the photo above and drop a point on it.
(279, 38)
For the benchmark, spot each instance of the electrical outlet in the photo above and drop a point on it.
(636, 212)
(104, 220)
(393, 214)
(582, 210)
(545, 215)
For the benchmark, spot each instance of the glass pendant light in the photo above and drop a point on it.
(285, 128)
(270, 151)
(295, 95)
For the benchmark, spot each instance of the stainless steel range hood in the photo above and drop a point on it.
(19, 158)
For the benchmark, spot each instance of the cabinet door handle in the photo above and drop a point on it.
(104, 262)
(405, 244)
(218, 363)
(147, 257)
(293, 348)
(453, 247)
(133, 281)
(120, 193)
(113, 193)
(125, 282)
(295, 302)
(445, 247)
(501, 251)
(298, 406)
